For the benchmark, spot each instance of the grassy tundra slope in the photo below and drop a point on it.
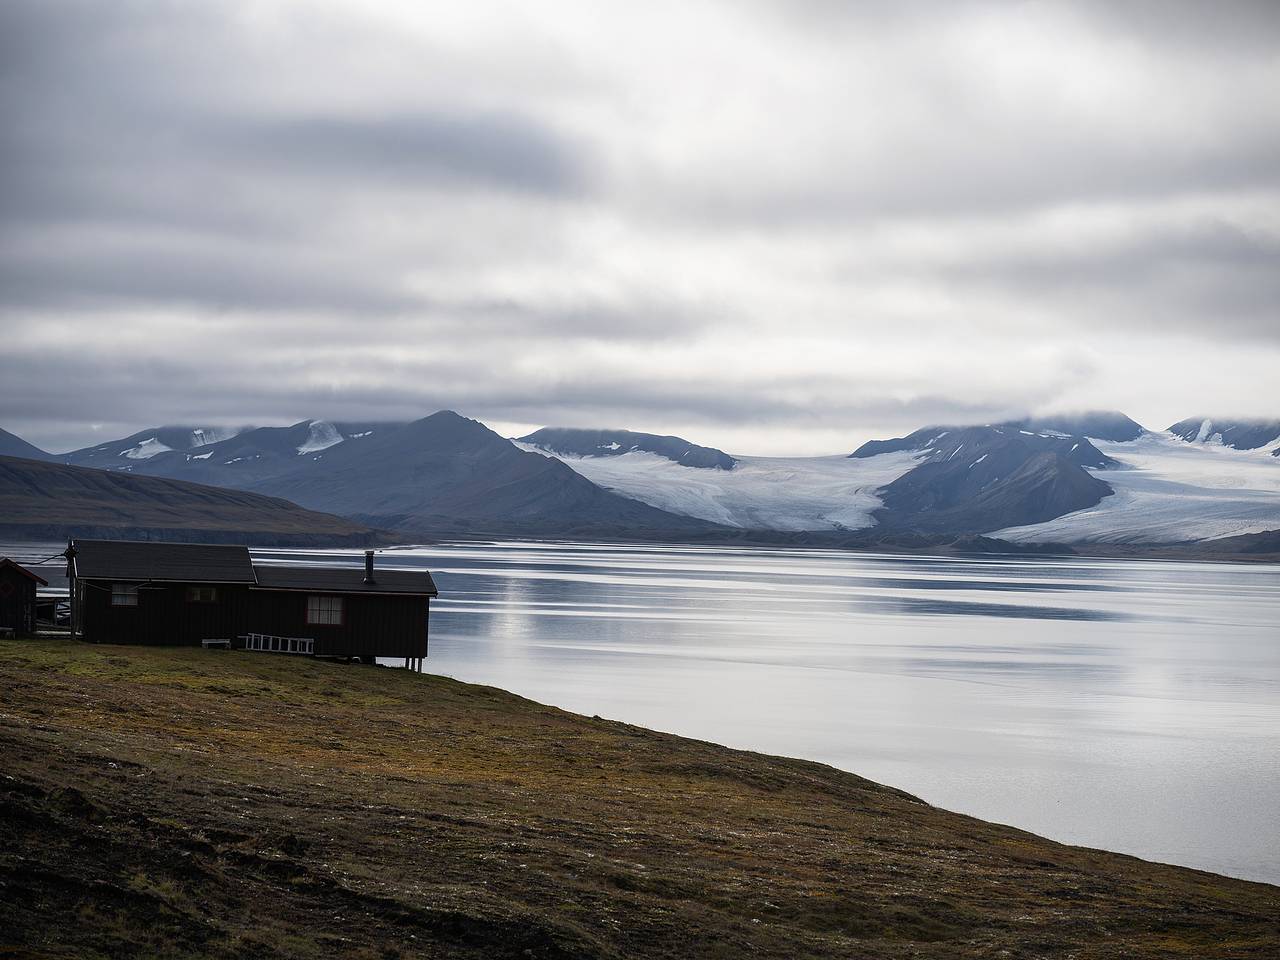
(173, 802)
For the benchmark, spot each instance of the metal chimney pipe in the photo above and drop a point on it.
(368, 566)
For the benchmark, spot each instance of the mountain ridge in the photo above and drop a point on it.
(571, 441)
(446, 472)
(1036, 479)
(46, 500)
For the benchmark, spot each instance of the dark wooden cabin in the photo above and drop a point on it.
(193, 594)
(18, 598)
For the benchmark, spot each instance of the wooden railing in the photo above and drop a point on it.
(266, 643)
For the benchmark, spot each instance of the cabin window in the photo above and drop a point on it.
(324, 610)
(124, 594)
(202, 594)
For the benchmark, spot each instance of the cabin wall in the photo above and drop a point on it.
(373, 626)
(163, 617)
(17, 603)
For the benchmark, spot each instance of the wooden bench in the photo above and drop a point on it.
(216, 643)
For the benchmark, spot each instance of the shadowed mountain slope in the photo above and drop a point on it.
(975, 479)
(42, 500)
(12, 445)
(446, 473)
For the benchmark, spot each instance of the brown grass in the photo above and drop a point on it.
(183, 803)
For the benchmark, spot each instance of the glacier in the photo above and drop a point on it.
(1170, 491)
(759, 493)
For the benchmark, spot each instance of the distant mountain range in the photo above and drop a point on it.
(1091, 477)
(1095, 477)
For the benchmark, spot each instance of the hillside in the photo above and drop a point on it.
(11, 445)
(446, 473)
(978, 479)
(186, 803)
(40, 500)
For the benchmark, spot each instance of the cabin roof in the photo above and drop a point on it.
(344, 580)
(150, 560)
(7, 564)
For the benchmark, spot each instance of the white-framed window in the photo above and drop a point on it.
(124, 594)
(202, 594)
(324, 610)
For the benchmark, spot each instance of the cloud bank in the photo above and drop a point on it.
(772, 227)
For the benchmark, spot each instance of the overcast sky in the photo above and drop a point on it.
(772, 227)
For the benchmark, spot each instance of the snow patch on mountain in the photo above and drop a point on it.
(802, 493)
(321, 435)
(1169, 491)
(203, 436)
(145, 450)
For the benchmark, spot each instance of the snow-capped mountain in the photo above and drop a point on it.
(1237, 434)
(1092, 477)
(974, 479)
(962, 479)
(446, 473)
(127, 452)
(440, 473)
(228, 458)
(1169, 491)
(1089, 477)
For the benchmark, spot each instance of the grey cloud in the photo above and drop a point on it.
(1231, 28)
(1185, 276)
(510, 151)
(270, 231)
(133, 110)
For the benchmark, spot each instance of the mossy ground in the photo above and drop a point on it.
(184, 803)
